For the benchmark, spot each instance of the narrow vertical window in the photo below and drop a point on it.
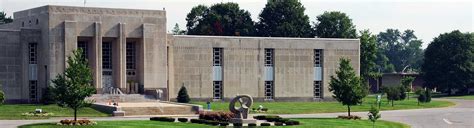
(107, 55)
(130, 55)
(33, 49)
(33, 90)
(318, 64)
(217, 63)
(269, 74)
(83, 46)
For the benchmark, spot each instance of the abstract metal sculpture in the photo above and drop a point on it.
(240, 106)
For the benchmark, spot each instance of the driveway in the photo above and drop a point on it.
(459, 116)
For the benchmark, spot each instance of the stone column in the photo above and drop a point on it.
(96, 57)
(120, 61)
(70, 40)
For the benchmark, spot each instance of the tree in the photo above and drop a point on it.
(2, 97)
(393, 93)
(428, 95)
(421, 96)
(74, 85)
(284, 19)
(346, 86)
(334, 25)
(403, 50)
(177, 31)
(374, 115)
(222, 19)
(4, 19)
(402, 92)
(368, 57)
(183, 96)
(406, 82)
(448, 62)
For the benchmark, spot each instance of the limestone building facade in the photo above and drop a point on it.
(129, 52)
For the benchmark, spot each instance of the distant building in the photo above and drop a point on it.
(394, 79)
(130, 52)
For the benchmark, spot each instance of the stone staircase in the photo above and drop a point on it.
(138, 104)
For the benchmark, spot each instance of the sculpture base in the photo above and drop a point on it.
(243, 121)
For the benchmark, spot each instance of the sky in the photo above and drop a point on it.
(428, 18)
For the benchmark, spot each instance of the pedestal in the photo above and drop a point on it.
(243, 121)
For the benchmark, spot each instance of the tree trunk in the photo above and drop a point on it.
(75, 114)
(348, 110)
(392, 103)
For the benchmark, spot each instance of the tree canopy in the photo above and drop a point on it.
(449, 62)
(368, 54)
(284, 19)
(4, 19)
(222, 19)
(402, 50)
(177, 31)
(74, 85)
(346, 86)
(334, 25)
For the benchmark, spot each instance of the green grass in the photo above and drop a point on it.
(14, 111)
(330, 107)
(305, 123)
(465, 97)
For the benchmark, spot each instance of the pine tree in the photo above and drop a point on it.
(74, 85)
(346, 86)
(183, 96)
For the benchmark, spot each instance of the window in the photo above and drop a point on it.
(269, 57)
(318, 57)
(217, 57)
(317, 89)
(107, 55)
(37, 21)
(269, 89)
(217, 90)
(83, 45)
(33, 51)
(33, 90)
(130, 51)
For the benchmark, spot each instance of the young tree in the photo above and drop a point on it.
(183, 96)
(2, 97)
(74, 85)
(448, 62)
(406, 82)
(403, 94)
(334, 25)
(346, 86)
(222, 19)
(393, 93)
(284, 18)
(177, 31)
(4, 19)
(374, 115)
(421, 96)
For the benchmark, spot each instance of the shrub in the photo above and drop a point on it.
(183, 96)
(292, 122)
(259, 117)
(216, 116)
(428, 95)
(264, 109)
(265, 124)
(48, 96)
(2, 97)
(183, 119)
(349, 117)
(77, 122)
(278, 123)
(223, 123)
(211, 122)
(237, 124)
(165, 119)
(252, 124)
(195, 120)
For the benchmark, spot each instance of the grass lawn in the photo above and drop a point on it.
(464, 97)
(14, 111)
(305, 123)
(330, 107)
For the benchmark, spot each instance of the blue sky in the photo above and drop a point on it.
(428, 18)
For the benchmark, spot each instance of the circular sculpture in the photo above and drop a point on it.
(242, 109)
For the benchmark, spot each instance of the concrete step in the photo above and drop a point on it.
(148, 108)
(105, 98)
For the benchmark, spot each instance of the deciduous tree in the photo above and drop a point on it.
(403, 50)
(284, 18)
(449, 62)
(334, 25)
(4, 19)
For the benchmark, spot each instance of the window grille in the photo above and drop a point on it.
(107, 55)
(33, 52)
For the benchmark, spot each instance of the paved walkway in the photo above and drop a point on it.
(459, 116)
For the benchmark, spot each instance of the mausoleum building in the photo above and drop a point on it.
(130, 52)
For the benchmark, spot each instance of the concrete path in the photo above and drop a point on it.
(459, 116)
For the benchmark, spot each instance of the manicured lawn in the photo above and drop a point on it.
(305, 123)
(466, 97)
(14, 111)
(330, 107)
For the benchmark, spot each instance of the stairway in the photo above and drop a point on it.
(121, 98)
